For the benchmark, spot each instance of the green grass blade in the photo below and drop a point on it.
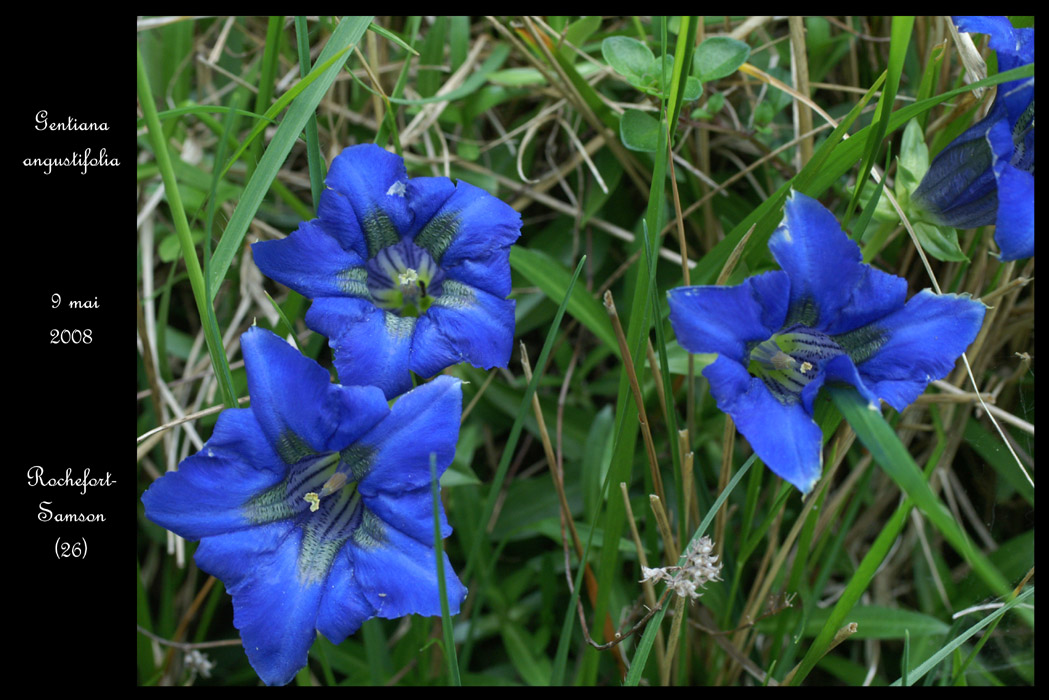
(515, 430)
(330, 62)
(267, 77)
(766, 216)
(547, 274)
(442, 586)
(901, 37)
(936, 658)
(189, 252)
(686, 44)
(315, 162)
(196, 109)
(878, 437)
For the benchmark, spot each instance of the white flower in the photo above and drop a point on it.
(701, 566)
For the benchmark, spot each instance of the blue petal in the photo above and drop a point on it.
(312, 263)
(232, 557)
(1014, 231)
(470, 237)
(425, 420)
(426, 196)
(370, 346)
(876, 294)
(839, 369)
(784, 436)
(275, 612)
(410, 512)
(398, 576)
(206, 495)
(1004, 38)
(365, 207)
(1014, 47)
(724, 319)
(463, 325)
(958, 189)
(925, 339)
(823, 264)
(294, 401)
(343, 609)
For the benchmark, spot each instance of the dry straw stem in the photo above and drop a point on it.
(690, 379)
(572, 94)
(477, 397)
(670, 550)
(628, 366)
(647, 586)
(566, 512)
(687, 481)
(675, 635)
(764, 582)
(557, 205)
(799, 66)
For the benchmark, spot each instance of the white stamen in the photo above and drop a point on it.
(397, 189)
(336, 482)
(782, 361)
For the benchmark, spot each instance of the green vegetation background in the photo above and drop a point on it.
(916, 546)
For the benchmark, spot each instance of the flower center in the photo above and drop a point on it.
(403, 278)
(788, 361)
(320, 495)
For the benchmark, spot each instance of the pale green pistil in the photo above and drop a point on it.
(788, 361)
(404, 279)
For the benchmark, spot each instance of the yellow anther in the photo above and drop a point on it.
(314, 501)
(806, 367)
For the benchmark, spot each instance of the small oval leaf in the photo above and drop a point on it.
(719, 56)
(628, 57)
(941, 242)
(639, 131)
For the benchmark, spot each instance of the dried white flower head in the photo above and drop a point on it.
(199, 663)
(701, 566)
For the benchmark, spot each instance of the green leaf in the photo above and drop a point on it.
(883, 210)
(718, 57)
(548, 274)
(578, 32)
(170, 247)
(913, 162)
(526, 77)
(941, 242)
(693, 89)
(890, 454)
(880, 622)
(935, 659)
(534, 670)
(639, 131)
(677, 359)
(627, 56)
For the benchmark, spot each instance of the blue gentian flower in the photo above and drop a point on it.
(825, 317)
(405, 274)
(986, 175)
(314, 506)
